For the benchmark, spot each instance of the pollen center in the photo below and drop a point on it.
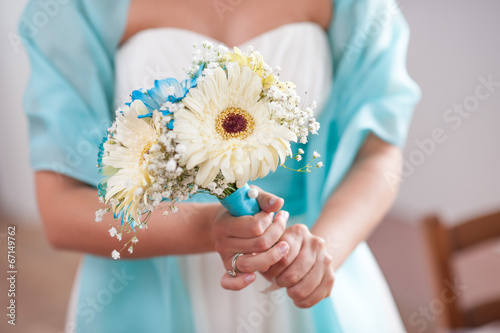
(145, 151)
(234, 123)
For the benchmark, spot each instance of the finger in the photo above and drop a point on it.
(261, 243)
(268, 202)
(321, 292)
(297, 269)
(261, 261)
(305, 287)
(246, 226)
(238, 282)
(285, 262)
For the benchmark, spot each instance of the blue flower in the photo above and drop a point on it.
(164, 90)
(100, 154)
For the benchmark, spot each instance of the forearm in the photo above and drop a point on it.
(68, 210)
(360, 202)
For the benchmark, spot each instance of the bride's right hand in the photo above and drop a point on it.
(254, 236)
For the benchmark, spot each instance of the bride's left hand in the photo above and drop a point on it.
(306, 271)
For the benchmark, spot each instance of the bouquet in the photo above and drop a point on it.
(231, 121)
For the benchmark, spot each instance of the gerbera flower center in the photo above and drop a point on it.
(234, 123)
(145, 150)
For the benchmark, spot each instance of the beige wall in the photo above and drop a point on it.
(453, 45)
(16, 180)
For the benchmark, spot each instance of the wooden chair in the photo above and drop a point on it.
(443, 243)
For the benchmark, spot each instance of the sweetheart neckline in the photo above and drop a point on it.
(209, 38)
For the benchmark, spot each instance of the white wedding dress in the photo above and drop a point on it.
(361, 300)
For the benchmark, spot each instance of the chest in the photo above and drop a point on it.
(229, 21)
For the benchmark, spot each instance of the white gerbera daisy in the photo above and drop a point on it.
(226, 126)
(126, 155)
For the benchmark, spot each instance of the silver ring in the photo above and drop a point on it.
(233, 264)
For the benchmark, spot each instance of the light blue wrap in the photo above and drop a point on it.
(69, 105)
(240, 204)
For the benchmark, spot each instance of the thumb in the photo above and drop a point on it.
(268, 202)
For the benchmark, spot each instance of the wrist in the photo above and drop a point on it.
(197, 220)
(338, 242)
(210, 214)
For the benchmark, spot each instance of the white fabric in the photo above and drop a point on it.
(300, 49)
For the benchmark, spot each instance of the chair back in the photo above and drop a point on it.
(443, 243)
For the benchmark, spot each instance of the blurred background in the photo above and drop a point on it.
(451, 165)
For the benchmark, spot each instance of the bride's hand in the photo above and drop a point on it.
(306, 271)
(252, 235)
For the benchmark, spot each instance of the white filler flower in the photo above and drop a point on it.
(115, 254)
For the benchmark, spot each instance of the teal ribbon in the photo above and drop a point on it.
(240, 204)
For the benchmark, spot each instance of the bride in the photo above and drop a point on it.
(348, 55)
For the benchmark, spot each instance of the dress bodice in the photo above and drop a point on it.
(300, 49)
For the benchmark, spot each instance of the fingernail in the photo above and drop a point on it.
(272, 201)
(249, 278)
(286, 214)
(284, 248)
